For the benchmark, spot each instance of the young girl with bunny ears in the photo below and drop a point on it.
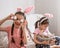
(41, 30)
(16, 32)
(41, 27)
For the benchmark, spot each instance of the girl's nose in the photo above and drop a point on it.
(18, 21)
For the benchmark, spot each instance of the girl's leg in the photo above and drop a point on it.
(39, 46)
(46, 46)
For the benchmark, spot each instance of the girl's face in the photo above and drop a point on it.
(43, 26)
(18, 20)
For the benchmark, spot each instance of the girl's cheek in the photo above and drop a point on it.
(44, 28)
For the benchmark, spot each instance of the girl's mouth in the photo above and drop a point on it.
(17, 23)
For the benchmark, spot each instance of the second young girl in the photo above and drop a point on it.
(42, 29)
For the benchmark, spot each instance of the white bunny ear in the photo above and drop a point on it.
(48, 15)
(27, 10)
(19, 9)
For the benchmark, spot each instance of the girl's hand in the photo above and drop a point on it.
(10, 17)
(24, 24)
(45, 42)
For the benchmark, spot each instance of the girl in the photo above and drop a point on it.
(42, 29)
(16, 32)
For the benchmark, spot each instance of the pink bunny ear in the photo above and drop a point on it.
(19, 9)
(48, 15)
(27, 10)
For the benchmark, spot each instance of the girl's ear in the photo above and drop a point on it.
(27, 10)
(19, 9)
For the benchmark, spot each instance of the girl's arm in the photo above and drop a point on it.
(23, 25)
(2, 21)
(7, 18)
(37, 42)
(3, 29)
(25, 39)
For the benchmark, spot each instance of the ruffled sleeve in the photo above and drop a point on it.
(36, 31)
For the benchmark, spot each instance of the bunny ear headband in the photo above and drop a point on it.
(48, 15)
(26, 11)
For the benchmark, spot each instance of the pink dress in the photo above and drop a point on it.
(16, 36)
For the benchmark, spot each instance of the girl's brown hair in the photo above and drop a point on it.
(21, 13)
(42, 21)
(12, 29)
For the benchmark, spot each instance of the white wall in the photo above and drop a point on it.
(58, 16)
(9, 6)
(50, 6)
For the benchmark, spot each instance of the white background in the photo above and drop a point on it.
(10, 6)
